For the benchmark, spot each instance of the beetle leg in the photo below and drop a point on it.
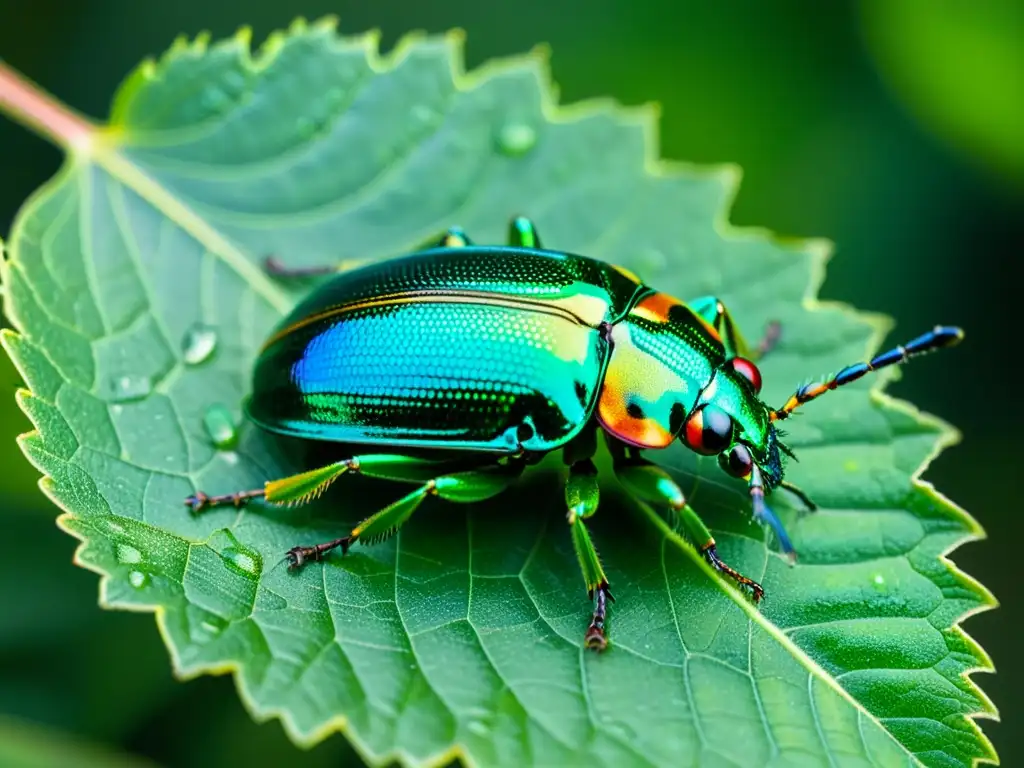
(712, 310)
(306, 486)
(649, 482)
(455, 237)
(523, 233)
(801, 494)
(581, 497)
(296, 489)
(276, 268)
(462, 487)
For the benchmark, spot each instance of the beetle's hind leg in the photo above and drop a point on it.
(448, 479)
(649, 482)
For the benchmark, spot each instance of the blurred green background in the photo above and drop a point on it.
(893, 127)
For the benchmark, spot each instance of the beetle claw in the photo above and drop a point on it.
(595, 639)
(299, 556)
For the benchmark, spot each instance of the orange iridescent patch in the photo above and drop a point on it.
(656, 307)
(638, 395)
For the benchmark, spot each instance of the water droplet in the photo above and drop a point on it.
(199, 342)
(480, 729)
(128, 554)
(244, 560)
(128, 388)
(878, 581)
(238, 557)
(516, 139)
(203, 626)
(220, 426)
(137, 579)
(230, 457)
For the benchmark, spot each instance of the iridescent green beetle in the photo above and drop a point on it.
(478, 361)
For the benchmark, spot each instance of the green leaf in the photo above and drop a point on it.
(462, 635)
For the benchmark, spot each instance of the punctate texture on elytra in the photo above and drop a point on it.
(460, 636)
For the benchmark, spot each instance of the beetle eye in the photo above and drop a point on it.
(737, 462)
(709, 430)
(747, 370)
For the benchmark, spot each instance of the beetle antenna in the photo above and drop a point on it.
(938, 337)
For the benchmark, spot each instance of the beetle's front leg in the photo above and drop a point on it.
(712, 310)
(651, 483)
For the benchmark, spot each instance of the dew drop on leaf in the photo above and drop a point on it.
(220, 426)
(199, 343)
(128, 388)
(516, 139)
(475, 726)
(137, 579)
(128, 554)
(243, 560)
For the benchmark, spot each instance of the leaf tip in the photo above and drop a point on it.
(327, 23)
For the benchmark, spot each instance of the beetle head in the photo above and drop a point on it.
(731, 421)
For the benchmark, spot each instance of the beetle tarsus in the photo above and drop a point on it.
(711, 555)
(800, 494)
(595, 638)
(299, 556)
(199, 501)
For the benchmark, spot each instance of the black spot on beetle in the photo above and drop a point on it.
(581, 392)
(676, 418)
(634, 411)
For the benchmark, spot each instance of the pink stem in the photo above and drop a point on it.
(30, 105)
